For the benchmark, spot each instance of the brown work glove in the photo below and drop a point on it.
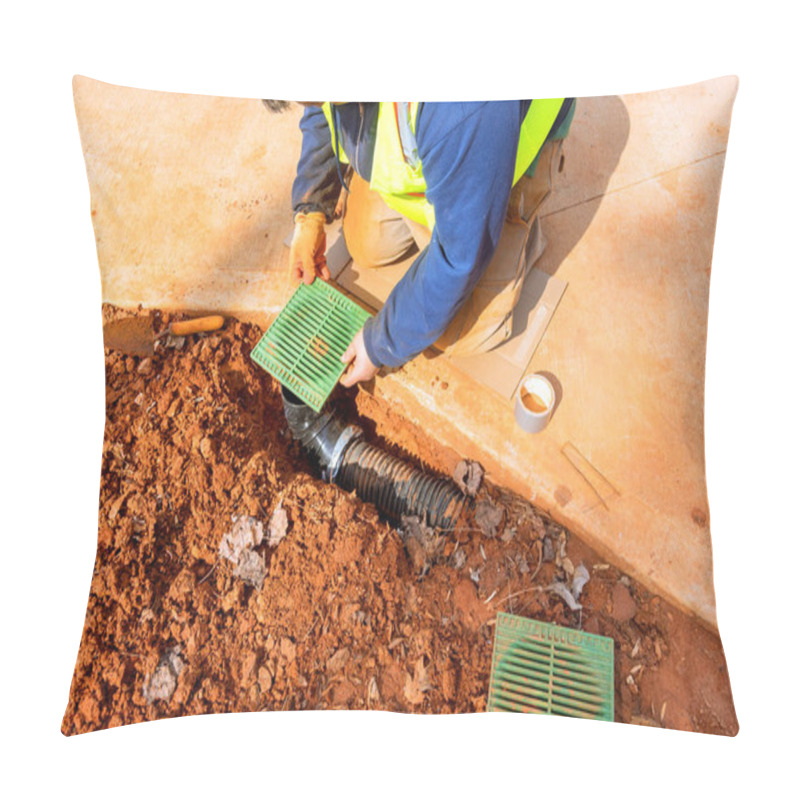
(307, 254)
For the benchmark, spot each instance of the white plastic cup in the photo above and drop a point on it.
(533, 413)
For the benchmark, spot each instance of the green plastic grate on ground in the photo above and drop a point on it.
(304, 345)
(540, 668)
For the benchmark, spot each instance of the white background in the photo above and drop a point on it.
(53, 406)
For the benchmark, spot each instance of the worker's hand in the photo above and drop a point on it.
(307, 255)
(361, 368)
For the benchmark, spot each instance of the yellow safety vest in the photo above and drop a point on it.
(396, 167)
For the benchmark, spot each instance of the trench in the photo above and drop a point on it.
(353, 612)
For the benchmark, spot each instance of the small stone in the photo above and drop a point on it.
(205, 448)
(245, 534)
(145, 366)
(264, 679)
(162, 683)
(278, 525)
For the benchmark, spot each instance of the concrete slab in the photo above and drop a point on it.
(190, 200)
(622, 460)
(667, 129)
(191, 197)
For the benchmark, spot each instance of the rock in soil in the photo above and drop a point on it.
(278, 525)
(162, 683)
(246, 532)
(251, 568)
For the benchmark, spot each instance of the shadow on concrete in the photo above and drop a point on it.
(590, 155)
(557, 388)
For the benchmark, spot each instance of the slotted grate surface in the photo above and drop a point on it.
(546, 669)
(304, 345)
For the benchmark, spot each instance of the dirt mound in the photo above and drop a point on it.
(191, 611)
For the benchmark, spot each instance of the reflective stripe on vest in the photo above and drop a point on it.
(396, 167)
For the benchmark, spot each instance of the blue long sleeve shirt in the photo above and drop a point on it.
(468, 152)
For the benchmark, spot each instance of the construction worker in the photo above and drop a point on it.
(458, 183)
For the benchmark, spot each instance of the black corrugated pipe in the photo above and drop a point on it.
(344, 458)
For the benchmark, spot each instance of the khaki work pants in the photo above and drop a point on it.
(377, 236)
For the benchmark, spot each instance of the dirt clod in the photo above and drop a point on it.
(278, 525)
(623, 605)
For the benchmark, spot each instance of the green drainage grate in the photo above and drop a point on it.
(545, 669)
(304, 345)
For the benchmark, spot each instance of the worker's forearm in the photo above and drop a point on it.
(316, 187)
(418, 310)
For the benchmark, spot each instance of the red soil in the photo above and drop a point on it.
(195, 436)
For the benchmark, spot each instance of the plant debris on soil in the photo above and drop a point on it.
(229, 577)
